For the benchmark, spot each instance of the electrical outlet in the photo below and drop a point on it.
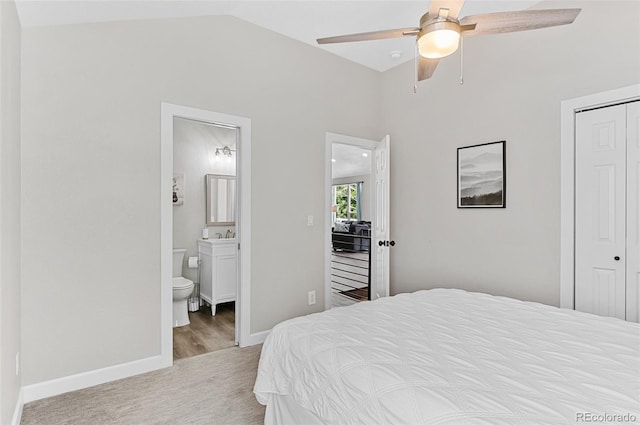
(18, 363)
(312, 297)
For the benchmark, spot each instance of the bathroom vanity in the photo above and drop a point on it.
(218, 270)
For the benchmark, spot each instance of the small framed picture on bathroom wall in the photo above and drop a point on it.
(178, 188)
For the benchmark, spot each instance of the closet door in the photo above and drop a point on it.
(600, 211)
(633, 211)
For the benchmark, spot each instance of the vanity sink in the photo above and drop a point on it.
(218, 272)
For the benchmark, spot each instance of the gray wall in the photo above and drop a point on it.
(513, 88)
(10, 323)
(194, 146)
(91, 168)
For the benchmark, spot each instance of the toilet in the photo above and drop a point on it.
(182, 289)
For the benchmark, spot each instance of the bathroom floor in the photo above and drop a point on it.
(205, 333)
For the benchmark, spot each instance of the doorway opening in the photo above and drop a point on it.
(204, 228)
(205, 219)
(356, 219)
(351, 224)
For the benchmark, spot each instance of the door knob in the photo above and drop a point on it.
(386, 243)
(616, 258)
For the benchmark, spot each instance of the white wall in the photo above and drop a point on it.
(91, 173)
(194, 145)
(365, 196)
(10, 181)
(514, 84)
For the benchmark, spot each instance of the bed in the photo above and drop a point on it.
(447, 356)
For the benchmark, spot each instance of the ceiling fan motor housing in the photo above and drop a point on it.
(438, 37)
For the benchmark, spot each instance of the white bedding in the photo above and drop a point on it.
(447, 356)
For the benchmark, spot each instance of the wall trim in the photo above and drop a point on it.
(89, 379)
(83, 380)
(17, 412)
(257, 338)
(568, 111)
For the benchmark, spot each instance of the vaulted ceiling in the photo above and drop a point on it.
(299, 19)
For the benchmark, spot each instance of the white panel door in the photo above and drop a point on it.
(633, 212)
(600, 211)
(380, 236)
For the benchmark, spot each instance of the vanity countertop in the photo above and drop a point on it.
(217, 241)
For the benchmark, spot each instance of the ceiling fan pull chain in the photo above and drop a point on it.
(415, 69)
(461, 61)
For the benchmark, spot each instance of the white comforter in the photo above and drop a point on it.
(453, 357)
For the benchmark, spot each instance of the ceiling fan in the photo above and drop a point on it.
(440, 29)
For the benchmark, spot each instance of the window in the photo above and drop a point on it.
(346, 201)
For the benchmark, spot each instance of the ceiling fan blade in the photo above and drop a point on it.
(426, 67)
(501, 22)
(454, 7)
(374, 35)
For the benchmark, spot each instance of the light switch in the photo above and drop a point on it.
(309, 220)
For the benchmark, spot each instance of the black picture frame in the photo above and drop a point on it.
(482, 175)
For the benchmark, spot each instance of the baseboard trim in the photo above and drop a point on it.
(256, 338)
(66, 384)
(89, 379)
(17, 413)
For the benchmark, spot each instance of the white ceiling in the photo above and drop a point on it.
(210, 135)
(299, 19)
(349, 161)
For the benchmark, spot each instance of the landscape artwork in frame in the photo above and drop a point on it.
(481, 176)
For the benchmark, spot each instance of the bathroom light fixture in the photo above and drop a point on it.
(439, 38)
(224, 151)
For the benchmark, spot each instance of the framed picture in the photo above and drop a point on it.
(482, 176)
(178, 188)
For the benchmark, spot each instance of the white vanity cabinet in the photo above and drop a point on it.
(218, 271)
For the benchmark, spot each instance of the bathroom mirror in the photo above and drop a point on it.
(221, 200)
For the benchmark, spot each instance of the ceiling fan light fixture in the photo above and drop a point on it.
(439, 39)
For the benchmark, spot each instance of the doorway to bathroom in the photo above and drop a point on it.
(205, 221)
(204, 232)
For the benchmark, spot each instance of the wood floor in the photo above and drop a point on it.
(206, 333)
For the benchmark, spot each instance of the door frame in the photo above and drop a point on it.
(170, 111)
(568, 110)
(330, 139)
